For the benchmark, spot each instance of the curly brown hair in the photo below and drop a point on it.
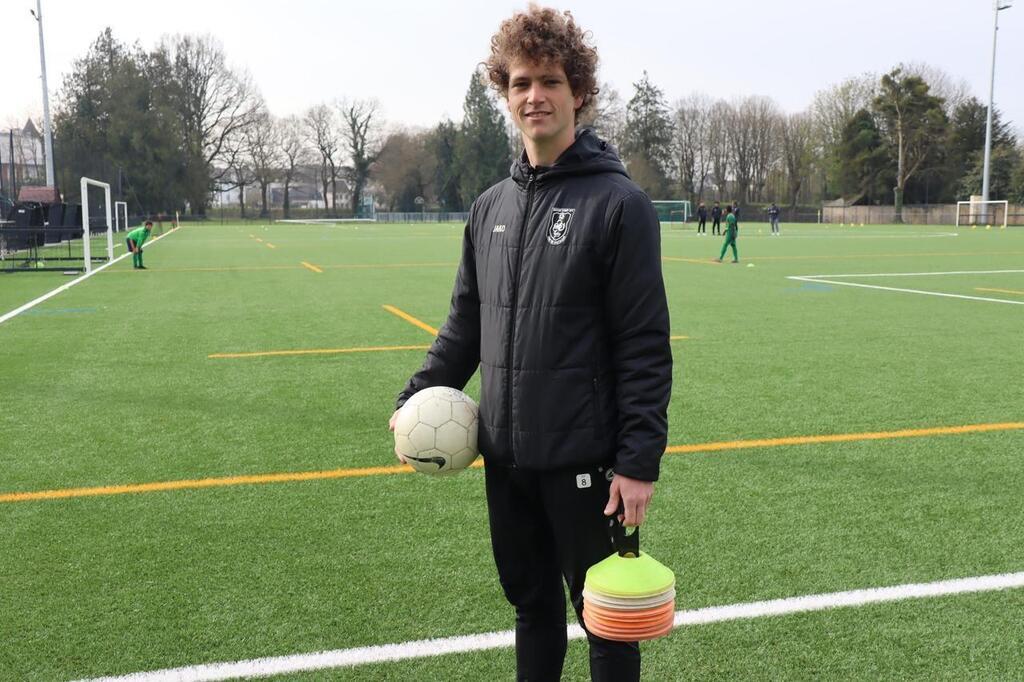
(542, 35)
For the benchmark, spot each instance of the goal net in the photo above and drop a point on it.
(672, 211)
(984, 213)
(64, 237)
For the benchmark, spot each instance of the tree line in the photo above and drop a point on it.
(177, 123)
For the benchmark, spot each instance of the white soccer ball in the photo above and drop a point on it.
(436, 430)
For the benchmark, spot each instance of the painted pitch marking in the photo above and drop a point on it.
(382, 653)
(1001, 291)
(270, 246)
(64, 287)
(410, 319)
(310, 266)
(922, 292)
(314, 351)
(844, 437)
(287, 477)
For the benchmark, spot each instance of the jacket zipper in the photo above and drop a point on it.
(515, 306)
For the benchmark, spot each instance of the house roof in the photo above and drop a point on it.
(42, 195)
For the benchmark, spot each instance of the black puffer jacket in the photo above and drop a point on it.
(559, 299)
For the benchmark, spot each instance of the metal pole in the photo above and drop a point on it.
(47, 137)
(14, 178)
(997, 8)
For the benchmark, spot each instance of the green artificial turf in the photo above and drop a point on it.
(110, 383)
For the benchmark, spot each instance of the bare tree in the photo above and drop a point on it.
(692, 143)
(294, 152)
(953, 92)
(718, 144)
(322, 127)
(404, 170)
(265, 156)
(833, 108)
(216, 104)
(765, 121)
(361, 133)
(797, 151)
(607, 116)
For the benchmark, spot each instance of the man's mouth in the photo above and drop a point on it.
(537, 114)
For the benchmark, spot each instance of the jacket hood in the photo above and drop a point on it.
(587, 155)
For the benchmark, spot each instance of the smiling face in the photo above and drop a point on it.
(543, 107)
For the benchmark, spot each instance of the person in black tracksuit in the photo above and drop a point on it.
(716, 219)
(702, 218)
(559, 300)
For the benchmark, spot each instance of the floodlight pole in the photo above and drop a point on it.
(999, 6)
(47, 136)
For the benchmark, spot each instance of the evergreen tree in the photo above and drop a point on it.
(862, 158)
(115, 123)
(647, 137)
(914, 123)
(482, 148)
(443, 144)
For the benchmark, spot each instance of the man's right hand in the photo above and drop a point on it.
(391, 427)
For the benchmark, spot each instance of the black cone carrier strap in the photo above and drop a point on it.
(625, 541)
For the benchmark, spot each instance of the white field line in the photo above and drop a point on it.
(818, 280)
(341, 658)
(64, 287)
(910, 274)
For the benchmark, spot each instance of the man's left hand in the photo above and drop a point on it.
(634, 495)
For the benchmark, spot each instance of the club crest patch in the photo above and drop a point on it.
(558, 230)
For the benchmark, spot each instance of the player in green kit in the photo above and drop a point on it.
(135, 240)
(731, 228)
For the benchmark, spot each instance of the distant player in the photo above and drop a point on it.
(136, 238)
(731, 228)
(773, 218)
(736, 212)
(702, 219)
(716, 219)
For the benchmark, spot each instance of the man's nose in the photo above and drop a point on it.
(535, 94)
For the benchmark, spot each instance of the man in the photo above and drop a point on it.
(773, 218)
(731, 228)
(559, 298)
(736, 212)
(716, 219)
(135, 239)
(702, 219)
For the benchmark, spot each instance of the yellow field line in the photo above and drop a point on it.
(1001, 291)
(310, 266)
(410, 319)
(259, 240)
(370, 266)
(270, 246)
(314, 351)
(699, 261)
(844, 437)
(360, 472)
(229, 269)
(678, 338)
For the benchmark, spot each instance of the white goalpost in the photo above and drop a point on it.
(86, 246)
(977, 212)
(120, 207)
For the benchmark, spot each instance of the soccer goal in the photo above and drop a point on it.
(671, 211)
(120, 216)
(977, 212)
(92, 225)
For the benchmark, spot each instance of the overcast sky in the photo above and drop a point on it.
(416, 57)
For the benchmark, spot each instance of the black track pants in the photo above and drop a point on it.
(546, 526)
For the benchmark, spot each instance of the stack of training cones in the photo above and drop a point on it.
(629, 596)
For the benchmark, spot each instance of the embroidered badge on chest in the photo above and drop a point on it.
(558, 230)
